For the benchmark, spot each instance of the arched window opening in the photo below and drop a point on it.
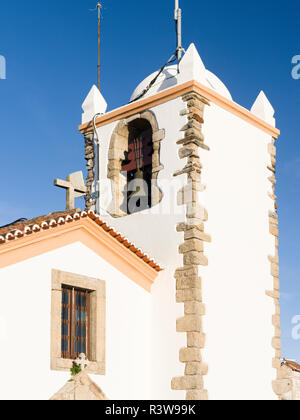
(134, 165)
(137, 167)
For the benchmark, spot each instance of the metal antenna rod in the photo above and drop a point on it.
(99, 6)
(178, 20)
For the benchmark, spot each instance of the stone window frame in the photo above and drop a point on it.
(116, 155)
(97, 287)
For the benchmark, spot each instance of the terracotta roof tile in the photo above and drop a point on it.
(292, 365)
(19, 229)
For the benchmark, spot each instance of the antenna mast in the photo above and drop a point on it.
(99, 6)
(178, 21)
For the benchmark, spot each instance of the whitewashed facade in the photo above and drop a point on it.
(238, 292)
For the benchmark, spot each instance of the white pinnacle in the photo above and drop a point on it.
(191, 66)
(263, 109)
(93, 104)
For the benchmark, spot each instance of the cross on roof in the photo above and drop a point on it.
(82, 361)
(74, 186)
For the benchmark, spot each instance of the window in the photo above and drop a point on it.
(138, 167)
(78, 312)
(134, 165)
(75, 323)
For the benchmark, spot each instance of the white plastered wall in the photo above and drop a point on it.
(25, 328)
(238, 323)
(155, 233)
(239, 314)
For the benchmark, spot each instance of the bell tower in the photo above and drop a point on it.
(190, 175)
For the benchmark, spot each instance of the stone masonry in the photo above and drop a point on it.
(90, 202)
(188, 282)
(282, 384)
(118, 147)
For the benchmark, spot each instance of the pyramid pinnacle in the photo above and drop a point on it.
(191, 66)
(93, 104)
(263, 109)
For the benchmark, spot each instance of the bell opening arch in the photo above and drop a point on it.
(134, 165)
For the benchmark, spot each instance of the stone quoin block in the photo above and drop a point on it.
(275, 270)
(196, 368)
(197, 139)
(192, 124)
(196, 211)
(272, 150)
(190, 354)
(273, 294)
(197, 395)
(194, 308)
(182, 227)
(274, 230)
(277, 333)
(276, 343)
(187, 382)
(188, 150)
(276, 284)
(196, 339)
(274, 260)
(276, 321)
(194, 100)
(189, 283)
(196, 234)
(189, 323)
(187, 271)
(195, 258)
(188, 194)
(276, 363)
(191, 245)
(188, 294)
(282, 386)
(283, 372)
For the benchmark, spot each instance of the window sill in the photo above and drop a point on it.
(94, 368)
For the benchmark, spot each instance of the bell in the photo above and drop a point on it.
(139, 197)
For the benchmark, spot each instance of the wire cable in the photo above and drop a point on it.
(170, 61)
(95, 128)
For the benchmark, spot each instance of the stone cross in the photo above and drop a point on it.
(74, 186)
(82, 361)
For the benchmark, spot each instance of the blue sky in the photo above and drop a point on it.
(51, 53)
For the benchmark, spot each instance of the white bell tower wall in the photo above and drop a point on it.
(215, 231)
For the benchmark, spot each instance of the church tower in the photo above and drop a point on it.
(189, 175)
